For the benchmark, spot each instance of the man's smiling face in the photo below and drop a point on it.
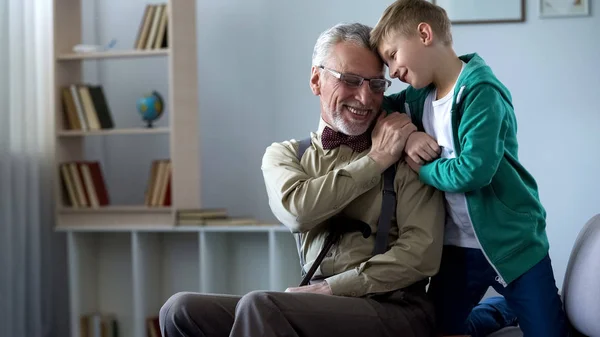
(350, 110)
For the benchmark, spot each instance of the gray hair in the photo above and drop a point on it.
(342, 32)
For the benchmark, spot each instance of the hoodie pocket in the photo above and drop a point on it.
(512, 193)
(508, 209)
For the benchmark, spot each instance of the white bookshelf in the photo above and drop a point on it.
(131, 273)
(181, 114)
(126, 260)
(112, 55)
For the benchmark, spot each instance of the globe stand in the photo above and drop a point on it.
(149, 125)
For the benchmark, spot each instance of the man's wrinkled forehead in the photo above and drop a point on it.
(359, 60)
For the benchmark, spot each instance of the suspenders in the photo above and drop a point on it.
(387, 208)
(302, 147)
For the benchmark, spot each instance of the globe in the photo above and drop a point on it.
(150, 107)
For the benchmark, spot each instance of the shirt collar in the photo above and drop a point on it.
(322, 125)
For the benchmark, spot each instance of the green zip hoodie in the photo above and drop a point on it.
(502, 197)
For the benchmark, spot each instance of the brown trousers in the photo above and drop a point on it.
(270, 314)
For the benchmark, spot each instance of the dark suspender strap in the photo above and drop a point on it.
(388, 205)
(303, 145)
(298, 238)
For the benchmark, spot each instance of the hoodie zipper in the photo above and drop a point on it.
(498, 278)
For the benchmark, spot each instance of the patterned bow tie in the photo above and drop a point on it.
(332, 139)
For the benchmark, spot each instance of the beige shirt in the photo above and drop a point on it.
(302, 195)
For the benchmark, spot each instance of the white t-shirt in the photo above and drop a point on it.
(437, 122)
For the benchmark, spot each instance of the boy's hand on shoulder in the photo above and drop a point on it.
(422, 148)
(389, 138)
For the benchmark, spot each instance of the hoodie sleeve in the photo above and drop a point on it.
(481, 135)
(394, 102)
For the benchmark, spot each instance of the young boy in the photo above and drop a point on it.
(467, 146)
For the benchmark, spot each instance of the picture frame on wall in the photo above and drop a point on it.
(483, 11)
(564, 8)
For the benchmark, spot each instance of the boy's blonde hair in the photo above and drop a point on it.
(403, 16)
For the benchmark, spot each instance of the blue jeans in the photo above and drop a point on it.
(463, 279)
(490, 315)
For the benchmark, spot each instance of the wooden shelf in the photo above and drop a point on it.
(115, 217)
(116, 209)
(113, 54)
(109, 132)
(253, 228)
(113, 228)
(162, 229)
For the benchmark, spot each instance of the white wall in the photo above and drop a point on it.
(254, 64)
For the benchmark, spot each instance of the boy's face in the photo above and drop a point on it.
(408, 59)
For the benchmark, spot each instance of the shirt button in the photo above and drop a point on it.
(353, 293)
(329, 254)
(343, 158)
(374, 180)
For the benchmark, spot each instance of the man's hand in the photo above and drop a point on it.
(422, 148)
(411, 163)
(318, 288)
(389, 138)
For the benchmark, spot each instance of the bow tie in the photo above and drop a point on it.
(332, 139)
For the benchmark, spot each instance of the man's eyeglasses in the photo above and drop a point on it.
(377, 85)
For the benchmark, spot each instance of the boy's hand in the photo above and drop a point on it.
(422, 148)
(389, 138)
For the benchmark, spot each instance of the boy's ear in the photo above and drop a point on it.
(315, 84)
(425, 33)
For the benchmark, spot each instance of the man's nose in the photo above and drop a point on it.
(394, 74)
(364, 93)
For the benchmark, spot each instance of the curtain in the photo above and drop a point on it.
(33, 299)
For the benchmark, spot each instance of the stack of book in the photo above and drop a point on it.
(153, 327)
(85, 108)
(152, 33)
(158, 189)
(83, 184)
(211, 217)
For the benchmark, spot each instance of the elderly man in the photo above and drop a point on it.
(365, 285)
